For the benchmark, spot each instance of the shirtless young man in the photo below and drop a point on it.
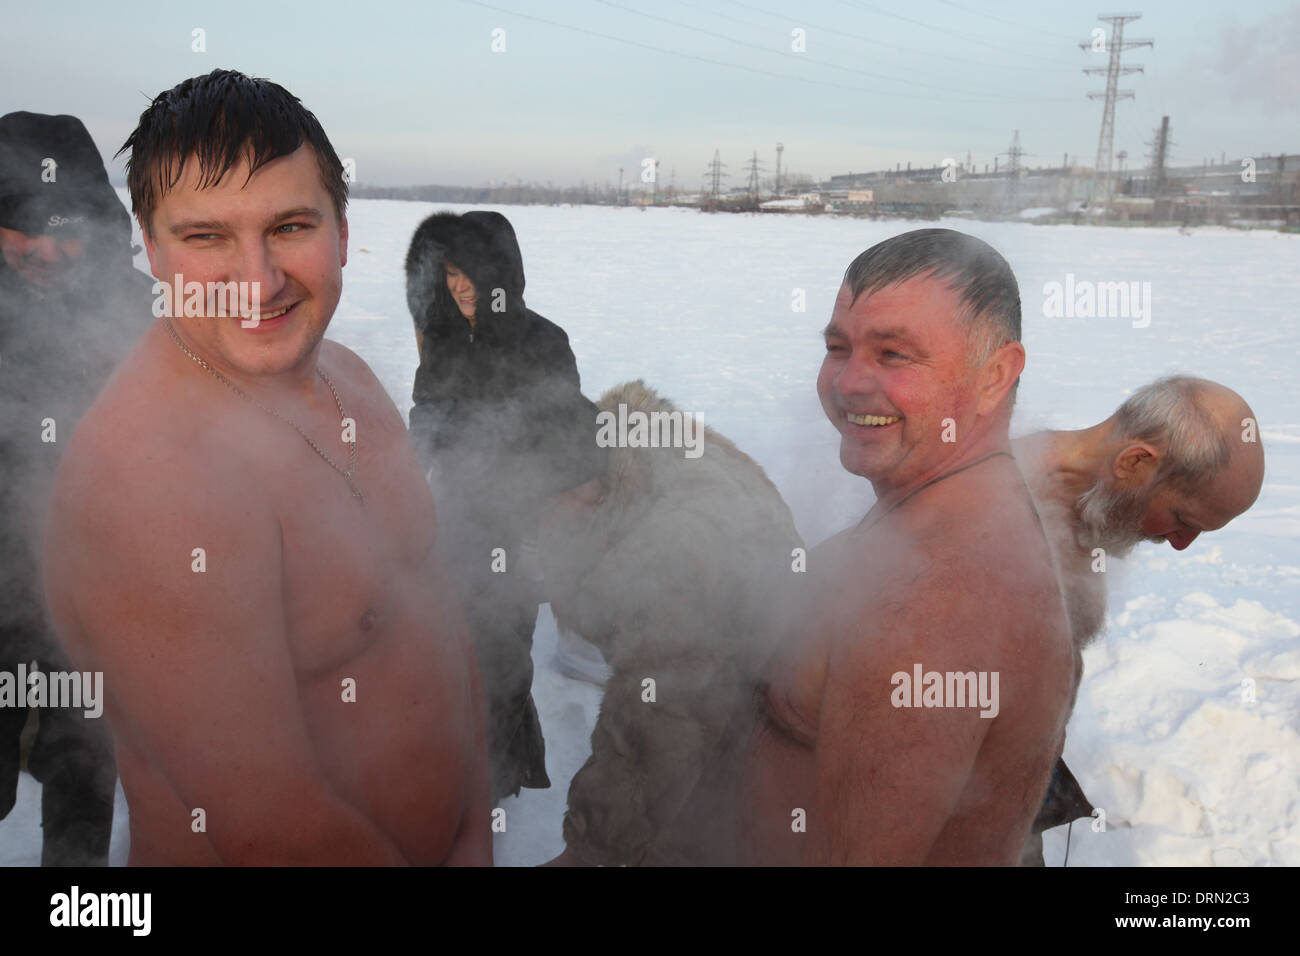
(305, 679)
(950, 571)
(1179, 457)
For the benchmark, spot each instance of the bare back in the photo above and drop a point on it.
(1082, 580)
(957, 580)
(305, 678)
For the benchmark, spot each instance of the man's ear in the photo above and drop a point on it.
(1136, 464)
(343, 241)
(999, 373)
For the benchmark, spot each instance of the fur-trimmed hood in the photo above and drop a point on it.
(481, 244)
(505, 395)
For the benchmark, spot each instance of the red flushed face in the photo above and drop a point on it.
(1163, 519)
(278, 230)
(895, 370)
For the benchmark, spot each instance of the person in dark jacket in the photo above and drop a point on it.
(71, 305)
(502, 423)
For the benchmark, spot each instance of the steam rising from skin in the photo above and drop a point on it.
(670, 569)
(58, 345)
(1108, 518)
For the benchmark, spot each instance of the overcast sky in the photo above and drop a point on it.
(415, 93)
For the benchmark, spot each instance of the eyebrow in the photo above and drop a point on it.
(899, 332)
(893, 332)
(219, 225)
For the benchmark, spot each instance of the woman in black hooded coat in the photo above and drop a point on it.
(501, 421)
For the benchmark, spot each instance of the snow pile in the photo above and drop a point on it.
(1185, 733)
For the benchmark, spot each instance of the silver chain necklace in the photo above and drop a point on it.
(352, 449)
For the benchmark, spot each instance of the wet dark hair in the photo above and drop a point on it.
(971, 267)
(222, 118)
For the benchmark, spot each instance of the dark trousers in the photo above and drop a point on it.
(501, 609)
(72, 757)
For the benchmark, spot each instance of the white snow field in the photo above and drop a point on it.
(1165, 737)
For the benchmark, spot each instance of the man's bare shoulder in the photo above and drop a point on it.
(1031, 449)
(977, 540)
(1037, 457)
(137, 426)
(357, 381)
(974, 511)
(145, 461)
(337, 358)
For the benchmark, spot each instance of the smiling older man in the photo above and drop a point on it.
(949, 575)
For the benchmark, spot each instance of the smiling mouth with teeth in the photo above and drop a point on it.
(871, 419)
(252, 321)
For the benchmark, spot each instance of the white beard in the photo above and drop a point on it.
(1107, 519)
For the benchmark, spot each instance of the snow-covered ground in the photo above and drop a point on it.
(1189, 770)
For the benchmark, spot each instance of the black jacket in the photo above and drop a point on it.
(58, 345)
(502, 399)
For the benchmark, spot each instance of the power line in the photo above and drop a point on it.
(969, 38)
(1112, 94)
(893, 46)
(755, 167)
(1014, 23)
(713, 62)
(803, 58)
(716, 175)
(1011, 201)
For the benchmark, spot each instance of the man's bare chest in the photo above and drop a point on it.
(353, 571)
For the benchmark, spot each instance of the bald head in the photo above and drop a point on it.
(1183, 457)
(1201, 435)
(1237, 483)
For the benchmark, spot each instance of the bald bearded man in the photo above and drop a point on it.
(1180, 457)
(872, 748)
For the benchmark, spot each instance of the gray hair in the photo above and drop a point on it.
(1168, 415)
(972, 268)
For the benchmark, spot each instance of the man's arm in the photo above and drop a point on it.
(888, 779)
(196, 663)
